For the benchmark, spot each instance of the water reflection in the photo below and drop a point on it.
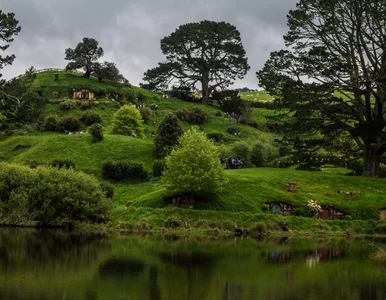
(44, 264)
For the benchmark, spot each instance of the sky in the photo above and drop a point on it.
(130, 31)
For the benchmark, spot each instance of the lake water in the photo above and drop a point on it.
(54, 264)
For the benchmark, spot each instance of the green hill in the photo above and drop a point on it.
(246, 191)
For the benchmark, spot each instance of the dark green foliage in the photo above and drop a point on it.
(183, 93)
(233, 130)
(108, 71)
(380, 228)
(339, 61)
(63, 163)
(158, 167)
(68, 104)
(193, 115)
(146, 114)
(91, 117)
(49, 196)
(51, 123)
(120, 170)
(85, 105)
(167, 136)
(190, 57)
(216, 137)
(8, 28)
(96, 131)
(69, 124)
(229, 101)
(108, 188)
(262, 154)
(85, 55)
(241, 150)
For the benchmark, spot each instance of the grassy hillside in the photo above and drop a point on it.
(245, 191)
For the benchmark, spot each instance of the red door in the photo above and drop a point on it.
(325, 214)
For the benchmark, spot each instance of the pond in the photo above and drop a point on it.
(54, 264)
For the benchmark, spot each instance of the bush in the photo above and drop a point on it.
(96, 131)
(91, 117)
(68, 123)
(108, 188)
(119, 170)
(146, 114)
(193, 115)
(380, 228)
(263, 153)
(241, 150)
(167, 136)
(158, 167)
(85, 105)
(68, 104)
(51, 123)
(63, 163)
(128, 121)
(233, 130)
(49, 196)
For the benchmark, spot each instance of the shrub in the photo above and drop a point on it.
(262, 154)
(108, 188)
(96, 131)
(193, 115)
(233, 130)
(2, 120)
(380, 228)
(49, 195)
(189, 169)
(51, 123)
(91, 117)
(167, 136)
(119, 170)
(128, 121)
(68, 123)
(68, 104)
(146, 114)
(158, 167)
(85, 105)
(63, 163)
(241, 150)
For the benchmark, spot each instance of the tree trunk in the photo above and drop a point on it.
(87, 74)
(205, 89)
(372, 161)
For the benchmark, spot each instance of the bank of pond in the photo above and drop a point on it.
(57, 264)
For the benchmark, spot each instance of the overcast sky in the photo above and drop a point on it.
(130, 31)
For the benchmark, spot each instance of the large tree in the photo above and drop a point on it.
(332, 74)
(8, 29)
(84, 56)
(108, 71)
(206, 52)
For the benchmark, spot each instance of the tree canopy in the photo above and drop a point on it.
(108, 71)
(194, 165)
(206, 52)
(332, 74)
(8, 29)
(168, 133)
(84, 56)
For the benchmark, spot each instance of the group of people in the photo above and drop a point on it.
(228, 116)
(233, 163)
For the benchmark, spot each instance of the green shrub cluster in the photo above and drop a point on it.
(96, 131)
(91, 117)
(69, 104)
(54, 123)
(56, 163)
(193, 115)
(49, 196)
(120, 170)
(158, 167)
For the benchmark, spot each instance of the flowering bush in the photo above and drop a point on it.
(314, 206)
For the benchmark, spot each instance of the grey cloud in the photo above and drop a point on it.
(130, 31)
